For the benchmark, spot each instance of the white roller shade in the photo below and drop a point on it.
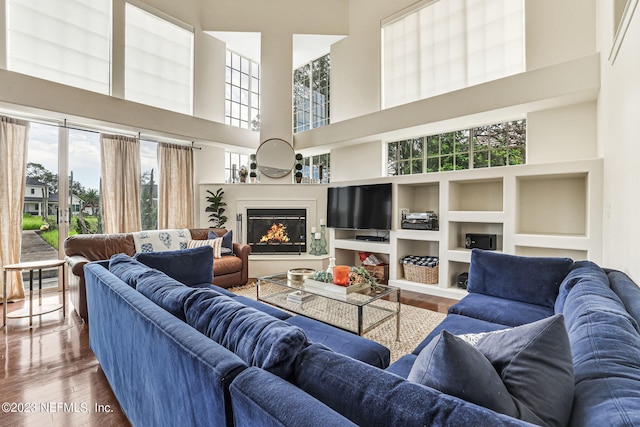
(65, 41)
(449, 45)
(158, 62)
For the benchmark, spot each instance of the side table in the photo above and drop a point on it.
(40, 309)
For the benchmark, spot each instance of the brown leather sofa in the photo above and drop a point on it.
(80, 249)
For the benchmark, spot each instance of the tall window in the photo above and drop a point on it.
(315, 169)
(494, 145)
(449, 45)
(65, 41)
(242, 92)
(311, 95)
(158, 61)
(149, 184)
(84, 180)
(233, 162)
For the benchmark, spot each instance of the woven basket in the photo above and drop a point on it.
(379, 272)
(421, 274)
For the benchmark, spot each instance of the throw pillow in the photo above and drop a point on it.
(256, 337)
(188, 266)
(227, 242)
(214, 243)
(534, 280)
(536, 365)
(166, 292)
(533, 361)
(456, 368)
(127, 269)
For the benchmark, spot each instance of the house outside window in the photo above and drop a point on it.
(242, 92)
(495, 145)
(311, 95)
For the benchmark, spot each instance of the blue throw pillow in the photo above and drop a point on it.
(454, 367)
(227, 242)
(166, 292)
(534, 362)
(257, 338)
(534, 280)
(188, 266)
(127, 269)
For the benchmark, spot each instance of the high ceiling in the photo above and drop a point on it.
(306, 47)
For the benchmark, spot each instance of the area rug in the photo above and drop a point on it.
(415, 324)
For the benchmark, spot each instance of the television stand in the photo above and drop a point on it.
(372, 238)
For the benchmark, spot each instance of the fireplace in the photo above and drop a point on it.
(277, 230)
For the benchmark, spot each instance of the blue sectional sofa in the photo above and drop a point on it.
(542, 341)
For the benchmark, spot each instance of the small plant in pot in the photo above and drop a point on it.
(216, 208)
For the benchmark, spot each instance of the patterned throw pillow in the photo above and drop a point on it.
(216, 244)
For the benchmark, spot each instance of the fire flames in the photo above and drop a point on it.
(277, 233)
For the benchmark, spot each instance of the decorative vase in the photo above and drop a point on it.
(323, 240)
(314, 245)
(332, 263)
(341, 275)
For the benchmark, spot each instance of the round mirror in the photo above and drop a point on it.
(275, 158)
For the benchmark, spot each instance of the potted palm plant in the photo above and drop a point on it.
(216, 208)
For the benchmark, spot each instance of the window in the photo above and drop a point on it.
(311, 93)
(149, 184)
(494, 145)
(315, 169)
(158, 61)
(242, 92)
(449, 45)
(232, 164)
(65, 41)
(85, 181)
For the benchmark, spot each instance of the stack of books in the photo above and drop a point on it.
(299, 297)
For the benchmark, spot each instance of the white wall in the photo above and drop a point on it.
(557, 31)
(360, 161)
(618, 118)
(562, 134)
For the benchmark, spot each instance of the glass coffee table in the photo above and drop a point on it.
(357, 312)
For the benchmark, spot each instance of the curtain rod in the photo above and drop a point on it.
(66, 125)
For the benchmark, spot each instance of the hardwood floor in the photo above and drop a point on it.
(50, 370)
(49, 375)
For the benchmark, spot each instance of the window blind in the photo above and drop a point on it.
(448, 45)
(158, 62)
(65, 41)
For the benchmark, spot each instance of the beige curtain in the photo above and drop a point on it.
(13, 163)
(120, 161)
(175, 204)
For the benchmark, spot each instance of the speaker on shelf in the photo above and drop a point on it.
(463, 279)
(480, 241)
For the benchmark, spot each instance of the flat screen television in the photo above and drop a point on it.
(360, 207)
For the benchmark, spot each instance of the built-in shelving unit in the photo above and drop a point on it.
(534, 210)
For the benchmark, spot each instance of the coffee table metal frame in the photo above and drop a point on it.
(40, 309)
(274, 289)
